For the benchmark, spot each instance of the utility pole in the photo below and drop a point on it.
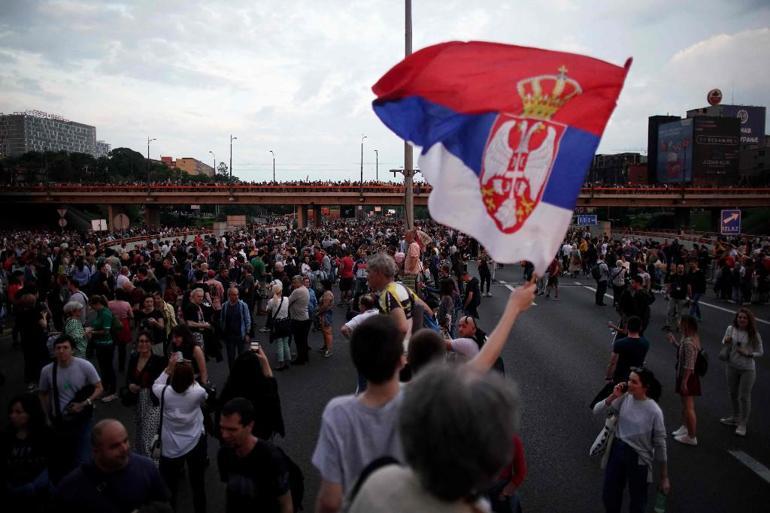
(273, 154)
(408, 156)
(231, 155)
(377, 165)
(148, 160)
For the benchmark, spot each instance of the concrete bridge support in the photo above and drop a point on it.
(113, 222)
(317, 215)
(301, 216)
(152, 215)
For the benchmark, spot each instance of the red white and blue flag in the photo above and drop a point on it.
(507, 135)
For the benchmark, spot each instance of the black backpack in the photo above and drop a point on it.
(596, 272)
(296, 481)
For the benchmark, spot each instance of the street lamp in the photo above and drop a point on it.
(231, 155)
(273, 153)
(215, 162)
(377, 165)
(362, 163)
(148, 160)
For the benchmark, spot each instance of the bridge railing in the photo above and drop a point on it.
(292, 188)
(154, 236)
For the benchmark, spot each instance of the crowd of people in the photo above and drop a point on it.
(87, 315)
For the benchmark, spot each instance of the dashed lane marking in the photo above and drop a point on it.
(512, 288)
(753, 465)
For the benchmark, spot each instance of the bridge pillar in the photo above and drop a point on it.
(152, 215)
(317, 215)
(682, 218)
(301, 216)
(716, 218)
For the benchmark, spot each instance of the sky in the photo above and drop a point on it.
(295, 76)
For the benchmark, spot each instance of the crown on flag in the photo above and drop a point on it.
(543, 95)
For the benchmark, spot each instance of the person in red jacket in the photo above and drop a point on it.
(502, 496)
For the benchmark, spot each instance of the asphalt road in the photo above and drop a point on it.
(557, 354)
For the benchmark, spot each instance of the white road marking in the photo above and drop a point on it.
(763, 321)
(753, 465)
(512, 288)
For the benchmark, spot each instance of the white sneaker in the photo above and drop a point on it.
(741, 430)
(686, 439)
(682, 430)
(729, 421)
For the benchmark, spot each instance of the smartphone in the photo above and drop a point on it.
(254, 346)
(179, 357)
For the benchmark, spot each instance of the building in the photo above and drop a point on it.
(754, 164)
(614, 169)
(701, 150)
(189, 165)
(102, 149)
(22, 132)
(653, 123)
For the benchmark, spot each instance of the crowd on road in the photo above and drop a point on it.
(143, 326)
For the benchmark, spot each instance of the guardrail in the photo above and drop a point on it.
(156, 236)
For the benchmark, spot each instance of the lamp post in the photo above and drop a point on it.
(273, 154)
(377, 165)
(231, 155)
(362, 163)
(408, 156)
(148, 159)
(215, 162)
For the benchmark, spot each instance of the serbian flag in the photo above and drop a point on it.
(507, 135)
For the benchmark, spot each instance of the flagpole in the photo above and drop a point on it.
(408, 156)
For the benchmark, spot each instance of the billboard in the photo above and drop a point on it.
(715, 150)
(674, 163)
(752, 121)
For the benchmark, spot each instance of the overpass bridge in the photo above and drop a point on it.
(315, 195)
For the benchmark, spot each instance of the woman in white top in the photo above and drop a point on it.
(745, 346)
(183, 437)
(278, 309)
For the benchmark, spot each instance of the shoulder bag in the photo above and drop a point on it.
(724, 352)
(155, 445)
(279, 328)
(66, 419)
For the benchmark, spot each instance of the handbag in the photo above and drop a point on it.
(156, 443)
(605, 436)
(279, 328)
(724, 352)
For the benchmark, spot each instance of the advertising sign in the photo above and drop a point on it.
(675, 151)
(730, 223)
(752, 121)
(715, 149)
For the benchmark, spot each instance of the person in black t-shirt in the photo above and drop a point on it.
(255, 472)
(696, 287)
(627, 352)
(677, 294)
(472, 298)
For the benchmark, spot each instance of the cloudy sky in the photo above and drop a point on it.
(295, 76)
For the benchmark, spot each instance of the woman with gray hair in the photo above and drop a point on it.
(456, 426)
(74, 328)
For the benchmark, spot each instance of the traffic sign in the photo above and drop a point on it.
(62, 222)
(730, 222)
(62, 212)
(587, 220)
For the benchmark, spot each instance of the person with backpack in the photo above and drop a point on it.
(601, 273)
(255, 472)
(687, 378)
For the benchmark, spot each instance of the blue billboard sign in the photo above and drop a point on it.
(730, 222)
(675, 151)
(587, 220)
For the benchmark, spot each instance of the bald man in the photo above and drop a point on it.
(116, 480)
